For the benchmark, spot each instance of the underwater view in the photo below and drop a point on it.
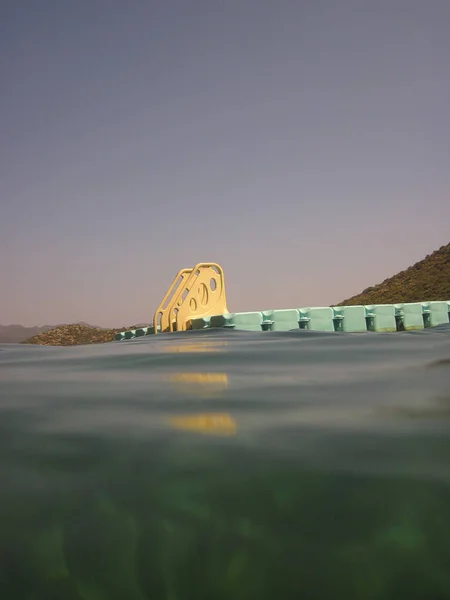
(227, 465)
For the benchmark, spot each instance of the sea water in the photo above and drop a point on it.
(226, 465)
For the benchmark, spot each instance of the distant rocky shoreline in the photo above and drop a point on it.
(75, 335)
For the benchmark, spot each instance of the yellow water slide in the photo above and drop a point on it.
(197, 292)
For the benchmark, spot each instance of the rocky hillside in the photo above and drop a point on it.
(17, 334)
(74, 335)
(427, 280)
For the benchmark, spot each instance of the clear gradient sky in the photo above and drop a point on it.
(302, 144)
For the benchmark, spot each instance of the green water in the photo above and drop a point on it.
(321, 469)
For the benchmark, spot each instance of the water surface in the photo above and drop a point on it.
(227, 465)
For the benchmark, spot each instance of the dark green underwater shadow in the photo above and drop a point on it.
(183, 518)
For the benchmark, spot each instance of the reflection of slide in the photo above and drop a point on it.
(197, 292)
(200, 385)
(212, 423)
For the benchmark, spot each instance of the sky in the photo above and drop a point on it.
(304, 145)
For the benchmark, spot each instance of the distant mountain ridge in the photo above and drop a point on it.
(16, 334)
(425, 281)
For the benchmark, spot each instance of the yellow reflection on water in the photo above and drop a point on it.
(211, 423)
(200, 384)
(204, 346)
